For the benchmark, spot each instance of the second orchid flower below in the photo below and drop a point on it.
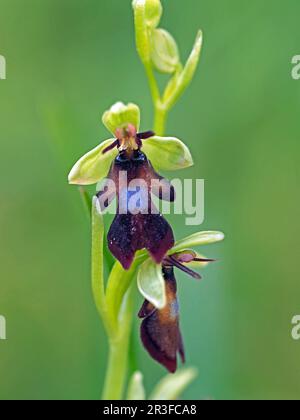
(160, 328)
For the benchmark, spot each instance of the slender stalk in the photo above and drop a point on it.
(160, 119)
(118, 335)
(118, 284)
(119, 301)
(86, 200)
(116, 370)
(97, 268)
(160, 110)
(153, 84)
(119, 353)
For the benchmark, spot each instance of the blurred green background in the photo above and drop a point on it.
(67, 62)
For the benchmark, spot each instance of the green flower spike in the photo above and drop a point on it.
(123, 121)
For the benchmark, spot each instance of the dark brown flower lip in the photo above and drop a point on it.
(160, 328)
(136, 229)
(130, 233)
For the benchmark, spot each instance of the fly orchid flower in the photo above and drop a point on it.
(160, 328)
(120, 161)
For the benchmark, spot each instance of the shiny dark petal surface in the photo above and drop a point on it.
(130, 233)
(138, 224)
(160, 331)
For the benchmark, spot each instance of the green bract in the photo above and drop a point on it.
(93, 166)
(164, 51)
(151, 283)
(167, 153)
(183, 78)
(120, 116)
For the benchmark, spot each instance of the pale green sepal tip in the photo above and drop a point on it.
(151, 283)
(136, 390)
(93, 166)
(198, 239)
(120, 116)
(168, 153)
(172, 386)
(193, 60)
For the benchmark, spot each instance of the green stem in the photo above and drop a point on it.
(160, 119)
(86, 200)
(118, 353)
(97, 268)
(153, 84)
(160, 110)
(116, 371)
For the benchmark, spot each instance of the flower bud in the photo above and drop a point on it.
(153, 12)
(164, 51)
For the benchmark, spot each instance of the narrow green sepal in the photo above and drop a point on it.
(168, 153)
(93, 166)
